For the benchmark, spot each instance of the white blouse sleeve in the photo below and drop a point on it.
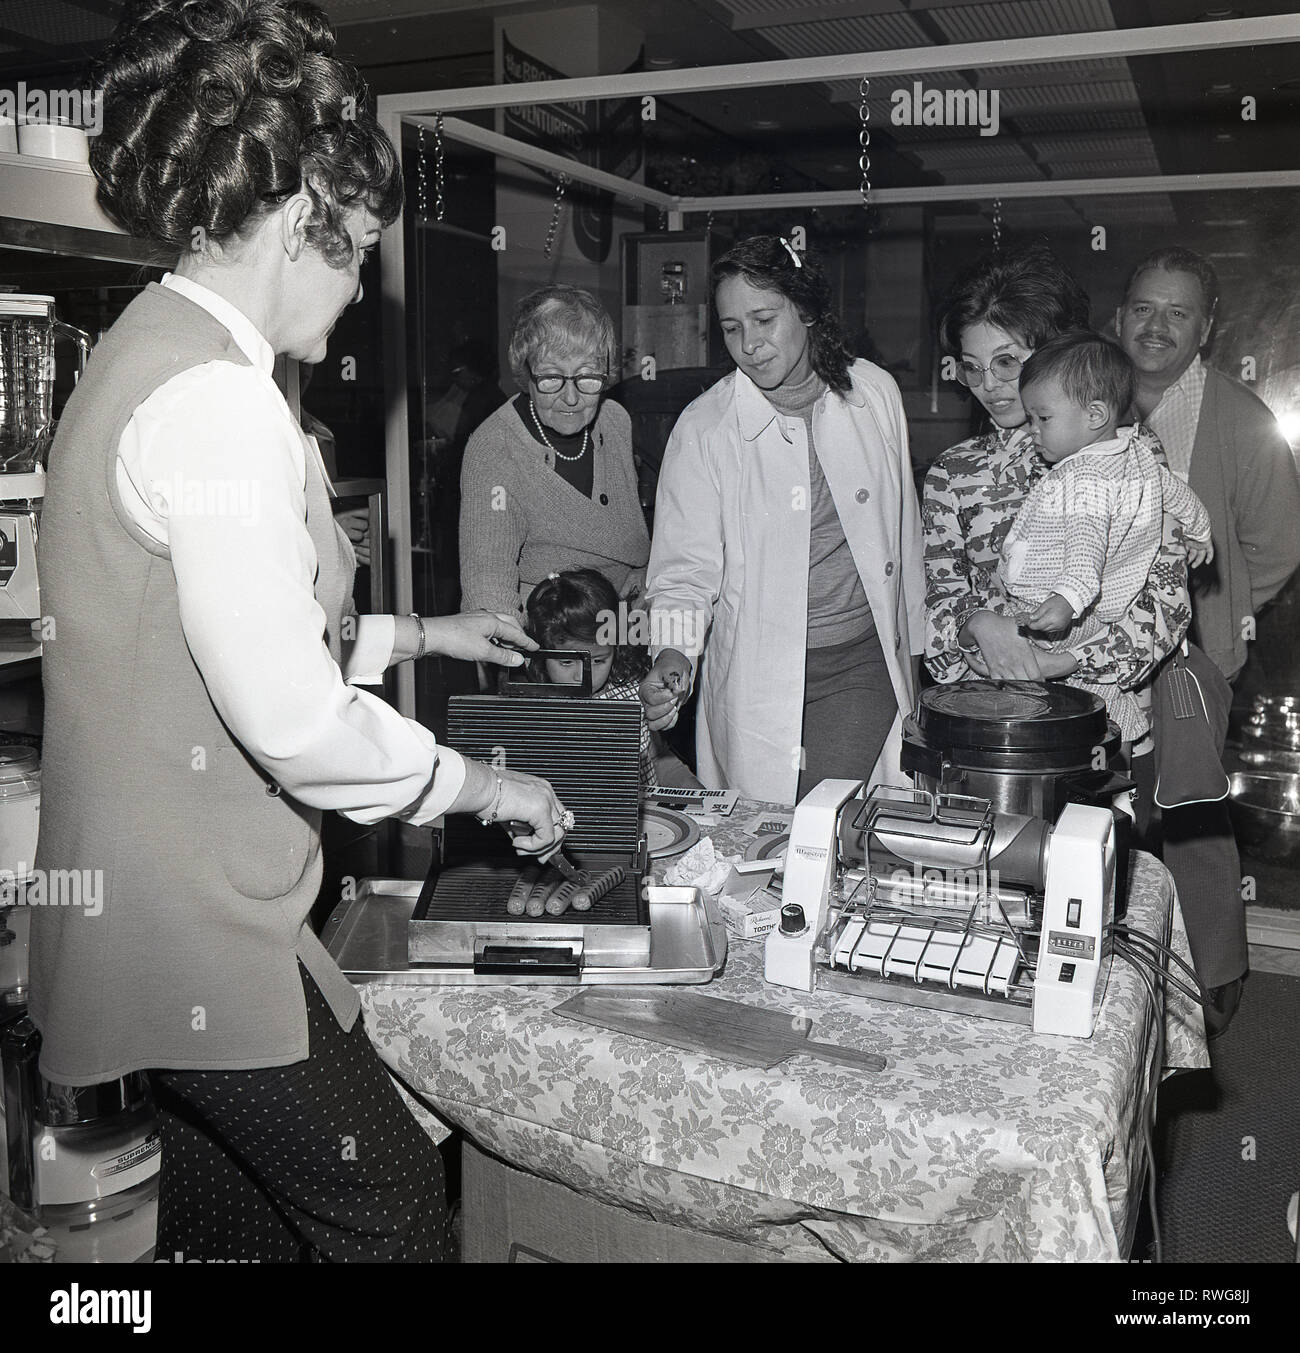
(215, 458)
(372, 652)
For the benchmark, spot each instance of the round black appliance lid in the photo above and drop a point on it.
(1010, 715)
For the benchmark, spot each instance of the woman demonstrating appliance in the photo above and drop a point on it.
(548, 483)
(787, 548)
(199, 711)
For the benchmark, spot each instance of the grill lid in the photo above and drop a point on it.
(1011, 716)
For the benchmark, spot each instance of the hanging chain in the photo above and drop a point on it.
(663, 219)
(708, 224)
(439, 182)
(421, 191)
(561, 182)
(997, 225)
(864, 141)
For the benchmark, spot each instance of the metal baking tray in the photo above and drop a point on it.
(367, 938)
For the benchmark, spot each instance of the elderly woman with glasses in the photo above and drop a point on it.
(991, 322)
(548, 483)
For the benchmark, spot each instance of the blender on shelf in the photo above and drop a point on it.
(28, 330)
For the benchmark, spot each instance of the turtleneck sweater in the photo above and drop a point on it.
(838, 610)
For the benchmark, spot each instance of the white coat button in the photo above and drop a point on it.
(862, 495)
(889, 570)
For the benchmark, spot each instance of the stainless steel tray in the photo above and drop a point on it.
(367, 939)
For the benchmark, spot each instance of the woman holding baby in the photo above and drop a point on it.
(994, 319)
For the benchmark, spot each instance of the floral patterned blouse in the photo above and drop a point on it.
(972, 494)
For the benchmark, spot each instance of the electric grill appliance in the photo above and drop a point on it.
(1028, 747)
(589, 750)
(940, 901)
(988, 889)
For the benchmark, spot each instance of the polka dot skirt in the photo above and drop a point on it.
(316, 1162)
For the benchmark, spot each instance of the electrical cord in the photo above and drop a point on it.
(1142, 956)
(1126, 933)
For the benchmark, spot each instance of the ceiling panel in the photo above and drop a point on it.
(1133, 167)
(951, 154)
(1122, 145)
(1022, 19)
(864, 33)
(976, 162)
(1108, 94)
(1100, 119)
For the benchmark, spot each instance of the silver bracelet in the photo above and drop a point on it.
(424, 638)
(490, 816)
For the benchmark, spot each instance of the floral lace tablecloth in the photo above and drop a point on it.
(979, 1141)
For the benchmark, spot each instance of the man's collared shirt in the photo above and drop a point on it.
(1174, 419)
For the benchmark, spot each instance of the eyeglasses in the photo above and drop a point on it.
(552, 385)
(1003, 367)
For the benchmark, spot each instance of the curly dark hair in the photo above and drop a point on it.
(217, 110)
(574, 606)
(1030, 293)
(767, 262)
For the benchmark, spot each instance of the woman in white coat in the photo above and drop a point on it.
(787, 559)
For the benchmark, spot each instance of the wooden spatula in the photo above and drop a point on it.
(742, 1033)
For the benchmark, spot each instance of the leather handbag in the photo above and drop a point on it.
(1190, 703)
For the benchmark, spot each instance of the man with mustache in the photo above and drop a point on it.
(1225, 442)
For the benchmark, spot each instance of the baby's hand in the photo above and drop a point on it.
(1054, 614)
(1199, 552)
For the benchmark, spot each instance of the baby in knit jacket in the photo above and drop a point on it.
(1083, 543)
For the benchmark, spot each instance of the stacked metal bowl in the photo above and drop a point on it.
(1266, 790)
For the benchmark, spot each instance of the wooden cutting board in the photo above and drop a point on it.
(708, 1024)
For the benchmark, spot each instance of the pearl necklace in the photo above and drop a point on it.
(537, 423)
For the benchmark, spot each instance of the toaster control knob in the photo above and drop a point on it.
(792, 919)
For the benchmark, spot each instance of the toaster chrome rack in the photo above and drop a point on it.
(939, 901)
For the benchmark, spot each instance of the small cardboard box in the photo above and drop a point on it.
(515, 1218)
(747, 907)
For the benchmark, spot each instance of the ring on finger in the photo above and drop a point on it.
(565, 820)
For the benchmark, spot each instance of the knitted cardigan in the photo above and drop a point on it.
(520, 521)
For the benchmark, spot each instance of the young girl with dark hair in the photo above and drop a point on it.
(579, 611)
(787, 547)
